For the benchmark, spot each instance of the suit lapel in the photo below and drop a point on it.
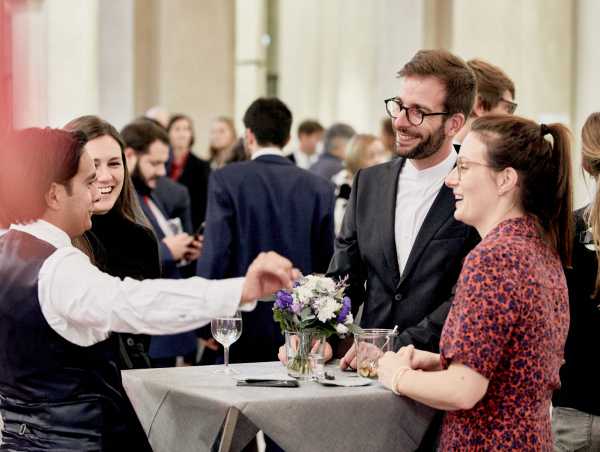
(442, 208)
(389, 220)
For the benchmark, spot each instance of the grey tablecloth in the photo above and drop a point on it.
(184, 409)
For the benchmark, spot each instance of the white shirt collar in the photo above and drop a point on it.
(45, 231)
(434, 173)
(267, 151)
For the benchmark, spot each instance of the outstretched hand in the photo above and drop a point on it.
(268, 273)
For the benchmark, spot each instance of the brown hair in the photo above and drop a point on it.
(544, 170)
(451, 71)
(356, 149)
(32, 160)
(141, 133)
(173, 119)
(94, 127)
(492, 82)
(213, 151)
(590, 159)
(309, 126)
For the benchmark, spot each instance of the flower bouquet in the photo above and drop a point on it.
(313, 310)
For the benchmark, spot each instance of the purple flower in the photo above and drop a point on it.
(296, 308)
(283, 300)
(346, 305)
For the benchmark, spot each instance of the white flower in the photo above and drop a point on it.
(326, 284)
(304, 294)
(327, 308)
(349, 319)
(341, 329)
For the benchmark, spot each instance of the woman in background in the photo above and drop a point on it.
(362, 151)
(576, 412)
(222, 138)
(186, 168)
(502, 344)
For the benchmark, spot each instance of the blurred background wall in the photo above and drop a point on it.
(333, 60)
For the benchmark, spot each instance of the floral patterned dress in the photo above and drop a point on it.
(509, 322)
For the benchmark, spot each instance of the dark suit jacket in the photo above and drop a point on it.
(174, 199)
(327, 166)
(267, 204)
(173, 344)
(365, 250)
(195, 178)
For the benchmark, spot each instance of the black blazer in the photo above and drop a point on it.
(174, 200)
(365, 250)
(579, 375)
(195, 177)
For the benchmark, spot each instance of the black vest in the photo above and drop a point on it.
(54, 395)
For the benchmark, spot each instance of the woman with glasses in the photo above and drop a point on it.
(502, 343)
(576, 412)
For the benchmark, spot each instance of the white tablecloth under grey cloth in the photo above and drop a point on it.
(189, 408)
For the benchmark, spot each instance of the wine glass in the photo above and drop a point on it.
(227, 330)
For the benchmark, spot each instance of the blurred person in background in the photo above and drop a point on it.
(186, 168)
(310, 133)
(158, 114)
(363, 151)
(388, 137)
(331, 161)
(239, 153)
(146, 151)
(265, 203)
(495, 95)
(576, 412)
(222, 137)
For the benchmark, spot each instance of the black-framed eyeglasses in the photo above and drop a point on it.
(415, 115)
(511, 106)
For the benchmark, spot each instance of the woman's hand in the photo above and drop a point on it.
(391, 363)
(422, 360)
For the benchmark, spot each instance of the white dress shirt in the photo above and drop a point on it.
(303, 160)
(84, 305)
(267, 151)
(416, 192)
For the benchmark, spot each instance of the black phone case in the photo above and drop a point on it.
(269, 383)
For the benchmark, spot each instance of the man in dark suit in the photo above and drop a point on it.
(331, 161)
(147, 152)
(266, 203)
(399, 244)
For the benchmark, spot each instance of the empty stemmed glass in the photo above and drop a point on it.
(227, 330)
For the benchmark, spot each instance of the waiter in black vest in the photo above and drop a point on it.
(60, 388)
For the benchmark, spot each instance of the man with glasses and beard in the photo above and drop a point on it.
(147, 151)
(399, 244)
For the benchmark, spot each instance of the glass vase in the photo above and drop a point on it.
(301, 348)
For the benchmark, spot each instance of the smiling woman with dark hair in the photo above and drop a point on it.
(119, 242)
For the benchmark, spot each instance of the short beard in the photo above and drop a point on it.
(428, 147)
(139, 182)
